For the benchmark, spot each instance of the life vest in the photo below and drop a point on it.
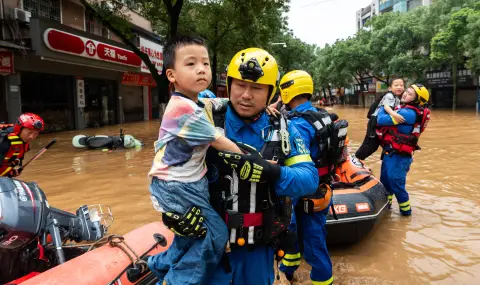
(14, 155)
(352, 171)
(253, 212)
(331, 139)
(405, 144)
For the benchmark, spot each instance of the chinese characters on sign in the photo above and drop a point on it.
(436, 79)
(6, 62)
(138, 79)
(64, 42)
(154, 52)
(80, 93)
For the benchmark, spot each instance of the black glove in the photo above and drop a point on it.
(190, 224)
(251, 166)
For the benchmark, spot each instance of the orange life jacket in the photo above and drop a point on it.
(14, 155)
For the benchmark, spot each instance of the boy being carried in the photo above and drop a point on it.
(389, 102)
(178, 170)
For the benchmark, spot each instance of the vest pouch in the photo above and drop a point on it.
(273, 225)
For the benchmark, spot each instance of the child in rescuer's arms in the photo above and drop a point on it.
(178, 170)
(389, 102)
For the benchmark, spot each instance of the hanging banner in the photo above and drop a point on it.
(154, 52)
(6, 62)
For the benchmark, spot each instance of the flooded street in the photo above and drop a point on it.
(439, 244)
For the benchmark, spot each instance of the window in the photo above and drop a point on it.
(412, 4)
(47, 9)
(93, 26)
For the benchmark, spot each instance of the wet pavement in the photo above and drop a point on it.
(439, 244)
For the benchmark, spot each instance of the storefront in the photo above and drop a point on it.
(441, 85)
(50, 96)
(73, 80)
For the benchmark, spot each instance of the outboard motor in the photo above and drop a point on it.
(27, 220)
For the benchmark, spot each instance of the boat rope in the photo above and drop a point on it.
(119, 241)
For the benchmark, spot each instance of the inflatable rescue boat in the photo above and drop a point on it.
(36, 247)
(106, 142)
(359, 201)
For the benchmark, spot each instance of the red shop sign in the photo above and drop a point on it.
(139, 79)
(64, 42)
(6, 62)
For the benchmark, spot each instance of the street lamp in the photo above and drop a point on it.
(282, 44)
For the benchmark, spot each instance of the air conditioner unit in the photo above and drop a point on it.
(21, 15)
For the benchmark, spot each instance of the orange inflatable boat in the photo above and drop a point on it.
(35, 247)
(359, 201)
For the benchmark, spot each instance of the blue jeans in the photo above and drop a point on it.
(394, 176)
(188, 260)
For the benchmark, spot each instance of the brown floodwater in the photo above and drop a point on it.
(439, 244)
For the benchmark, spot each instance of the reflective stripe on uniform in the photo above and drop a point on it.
(16, 142)
(405, 206)
(328, 282)
(393, 120)
(298, 159)
(6, 171)
(291, 263)
(292, 255)
(13, 137)
(291, 259)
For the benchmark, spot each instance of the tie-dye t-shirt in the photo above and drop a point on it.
(186, 132)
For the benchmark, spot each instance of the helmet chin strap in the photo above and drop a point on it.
(246, 118)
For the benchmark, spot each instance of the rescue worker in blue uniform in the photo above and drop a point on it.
(252, 191)
(399, 141)
(296, 88)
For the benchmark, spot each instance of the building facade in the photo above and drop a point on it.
(399, 5)
(365, 14)
(69, 69)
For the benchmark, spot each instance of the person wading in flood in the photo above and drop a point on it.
(399, 141)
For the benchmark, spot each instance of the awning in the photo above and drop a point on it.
(5, 44)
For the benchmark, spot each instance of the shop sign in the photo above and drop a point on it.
(6, 62)
(372, 88)
(154, 52)
(80, 93)
(64, 42)
(361, 87)
(438, 79)
(381, 87)
(138, 79)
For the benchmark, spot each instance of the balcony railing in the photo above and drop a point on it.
(47, 9)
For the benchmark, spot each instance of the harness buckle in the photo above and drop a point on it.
(284, 136)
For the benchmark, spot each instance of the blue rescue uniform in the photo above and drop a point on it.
(394, 166)
(254, 266)
(314, 232)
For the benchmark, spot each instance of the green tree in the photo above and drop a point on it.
(448, 45)
(227, 25)
(472, 43)
(399, 43)
(114, 16)
(351, 58)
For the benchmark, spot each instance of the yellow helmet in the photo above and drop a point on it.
(295, 83)
(254, 65)
(422, 93)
